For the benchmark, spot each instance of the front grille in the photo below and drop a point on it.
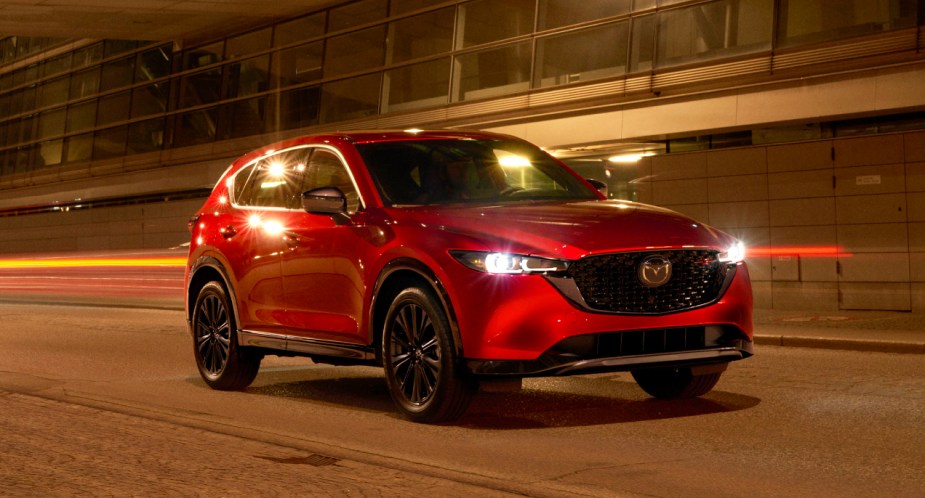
(636, 342)
(611, 282)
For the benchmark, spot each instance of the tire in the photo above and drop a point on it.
(421, 368)
(675, 383)
(222, 363)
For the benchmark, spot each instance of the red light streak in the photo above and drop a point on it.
(802, 251)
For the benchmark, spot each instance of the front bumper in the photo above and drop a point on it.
(627, 350)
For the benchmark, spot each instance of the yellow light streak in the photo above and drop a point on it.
(92, 262)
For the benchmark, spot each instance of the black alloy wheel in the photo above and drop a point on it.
(222, 363)
(421, 367)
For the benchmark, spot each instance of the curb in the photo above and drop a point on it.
(841, 344)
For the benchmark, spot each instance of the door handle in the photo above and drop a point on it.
(228, 231)
(291, 239)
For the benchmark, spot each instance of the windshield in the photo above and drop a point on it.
(452, 171)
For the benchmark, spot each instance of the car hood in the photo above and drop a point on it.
(566, 230)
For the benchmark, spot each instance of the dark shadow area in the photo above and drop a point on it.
(553, 402)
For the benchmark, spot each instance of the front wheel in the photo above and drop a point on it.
(222, 363)
(421, 367)
(675, 383)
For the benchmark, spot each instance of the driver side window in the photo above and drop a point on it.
(325, 169)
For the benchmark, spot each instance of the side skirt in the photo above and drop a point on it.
(301, 346)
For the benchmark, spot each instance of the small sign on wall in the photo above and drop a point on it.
(867, 180)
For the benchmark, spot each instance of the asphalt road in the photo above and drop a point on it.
(107, 401)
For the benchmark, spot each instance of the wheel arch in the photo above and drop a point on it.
(207, 269)
(400, 274)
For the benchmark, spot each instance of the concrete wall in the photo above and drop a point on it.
(835, 224)
(141, 226)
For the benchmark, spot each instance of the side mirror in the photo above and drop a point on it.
(326, 200)
(599, 185)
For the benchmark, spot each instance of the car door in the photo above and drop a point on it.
(252, 242)
(323, 282)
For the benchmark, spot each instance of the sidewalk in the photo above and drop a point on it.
(882, 331)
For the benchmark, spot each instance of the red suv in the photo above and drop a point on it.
(451, 258)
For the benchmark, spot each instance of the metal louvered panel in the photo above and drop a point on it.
(639, 84)
(892, 42)
(608, 88)
(713, 72)
(413, 119)
(487, 107)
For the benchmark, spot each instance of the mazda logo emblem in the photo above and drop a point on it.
(655, 271)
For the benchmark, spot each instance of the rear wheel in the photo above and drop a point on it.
(222, 363)
(675, 383)
(421, 367)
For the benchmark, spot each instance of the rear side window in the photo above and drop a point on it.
(272, 182)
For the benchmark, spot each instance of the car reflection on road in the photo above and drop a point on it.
(149, 278)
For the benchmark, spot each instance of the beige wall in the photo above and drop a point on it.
(864, 197)
(141, 226)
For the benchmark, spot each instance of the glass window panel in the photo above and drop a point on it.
(642, 46)
(117, 74)
(50, 152)
(581, 56)
(350, 99)
(79, 148)
(85, 83)
(493, 72)
(31, 73)
(201, 88)
(203, 56)
(355, 14)
(12, 132)
(196, 127)
(110, 143)
(113, 108)
(820, 20)
(116, 47)
(402, 6)
(420, 85)
(25, 159)
(57, 65)
(51, 123)
(557, 13)
(5, 168)
(298, 108)
(421, 36)
(25, 100)
(145, 136)
(298, 65)
(243, 118)
(53, 92)
(28, 128)
(87, 56)
(247, 44)
(354, 52)
(153, 64)
(304, 28)
(485, 21)
(717, 29)
(151, 99)
(247, 77)
(81, 116)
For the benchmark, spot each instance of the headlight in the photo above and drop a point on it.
(734, 253)
(498, 262)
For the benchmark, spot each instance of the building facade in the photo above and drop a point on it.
(797, 125)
